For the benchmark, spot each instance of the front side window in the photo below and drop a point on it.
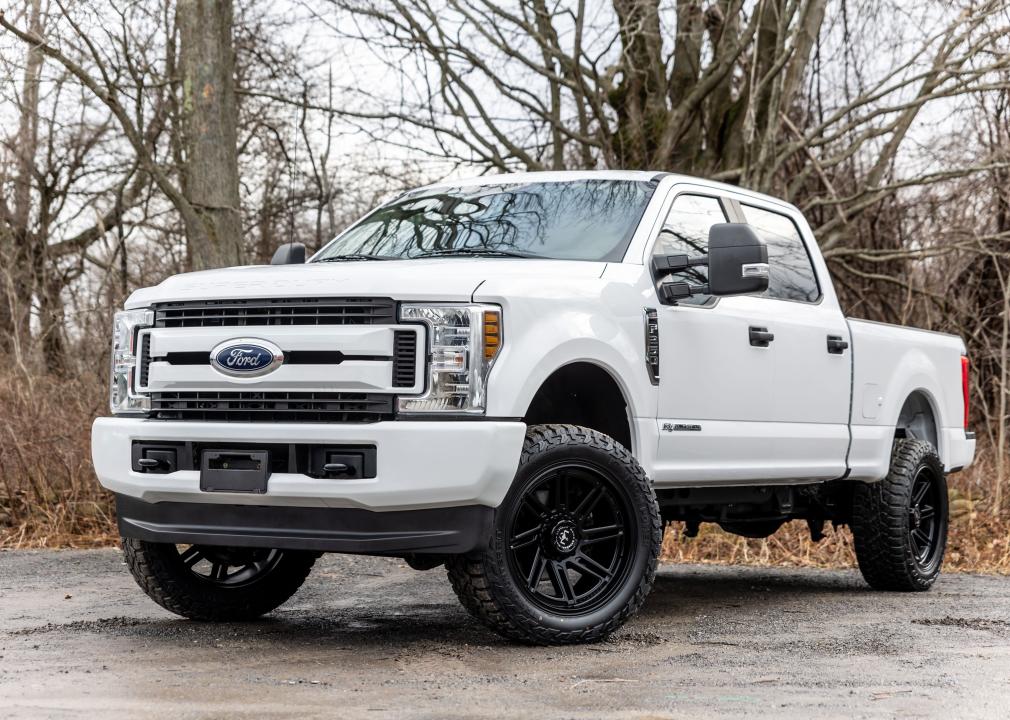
(572, 220)
(791, 275)
(685, 232)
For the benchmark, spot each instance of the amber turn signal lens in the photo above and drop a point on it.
(492, 333)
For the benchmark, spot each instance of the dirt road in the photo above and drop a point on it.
(371, 638)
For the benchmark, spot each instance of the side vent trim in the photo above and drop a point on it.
(652, 344)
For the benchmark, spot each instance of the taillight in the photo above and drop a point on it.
(964, 387)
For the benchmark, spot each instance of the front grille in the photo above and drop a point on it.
(335, 407)
(281, 311)
(404, 355)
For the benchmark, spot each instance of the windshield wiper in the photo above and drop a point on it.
(353, 256)
(478, 252)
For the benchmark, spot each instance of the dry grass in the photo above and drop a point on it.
(49, 496)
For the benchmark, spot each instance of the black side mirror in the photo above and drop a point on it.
(737, 260)
(737, 264)
(292, 253)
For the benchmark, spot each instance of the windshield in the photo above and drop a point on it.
(576, 220)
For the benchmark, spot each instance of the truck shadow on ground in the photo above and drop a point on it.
(681, 593)
(401, 619)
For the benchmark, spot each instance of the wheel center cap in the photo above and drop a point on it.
(564, 537)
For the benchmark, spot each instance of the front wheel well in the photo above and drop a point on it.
(582, 394)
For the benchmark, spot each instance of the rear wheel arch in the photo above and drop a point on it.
(917, 419)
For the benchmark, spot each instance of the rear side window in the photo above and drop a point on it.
(685, 232)
(791, 275)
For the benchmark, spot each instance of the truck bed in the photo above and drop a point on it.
(900, 369)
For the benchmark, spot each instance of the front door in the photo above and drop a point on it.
(716, 374)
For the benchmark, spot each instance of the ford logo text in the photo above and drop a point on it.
(246, 358)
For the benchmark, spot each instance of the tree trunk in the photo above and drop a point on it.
(209, 117)
(16, 250)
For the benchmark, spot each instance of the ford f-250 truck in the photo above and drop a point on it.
(522, 378)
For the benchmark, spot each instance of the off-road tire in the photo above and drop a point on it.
(881, 523)
(487, 589)
(161, 574)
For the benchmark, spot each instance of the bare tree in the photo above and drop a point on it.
(133, 91)
(718, 89)
(62, 171)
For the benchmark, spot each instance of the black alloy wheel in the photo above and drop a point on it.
(228, 567)
(567, 544)
(210, 582)
(924, 526)
(574, 546)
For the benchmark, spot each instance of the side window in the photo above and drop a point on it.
(791, 276)
(685, 232)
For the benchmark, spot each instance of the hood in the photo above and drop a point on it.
(435, 279)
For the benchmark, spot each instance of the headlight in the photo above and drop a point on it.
(125, 326)
(463, 342)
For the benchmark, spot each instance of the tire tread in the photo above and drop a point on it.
(880, 518)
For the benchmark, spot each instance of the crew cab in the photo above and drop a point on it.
(523, 378)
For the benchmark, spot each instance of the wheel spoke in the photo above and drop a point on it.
(920, 491)
(601, 534)
(585, 564)
(532, 502)
(920, 542)
(560, 490)
(588, 502)
(559, 579)
(916, 551)
(526, 538)
(191, 556)
(219, 571)
(536, 571)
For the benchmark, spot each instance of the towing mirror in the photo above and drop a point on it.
(737, 263)
(737, 260)
(292, 253)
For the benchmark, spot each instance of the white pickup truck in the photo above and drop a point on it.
(522, 378)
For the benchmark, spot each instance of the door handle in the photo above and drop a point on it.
(836, 345)
(760, 337)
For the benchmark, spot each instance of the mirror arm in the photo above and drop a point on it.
(671, 292)
(667, 264)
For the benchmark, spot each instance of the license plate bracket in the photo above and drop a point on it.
(242, 471)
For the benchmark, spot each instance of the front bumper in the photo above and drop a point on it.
(433, 464)
(348, 530)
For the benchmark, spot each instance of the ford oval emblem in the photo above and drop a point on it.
(246, 357)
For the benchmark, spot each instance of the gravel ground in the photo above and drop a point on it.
(371, 638)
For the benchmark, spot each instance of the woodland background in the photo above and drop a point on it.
(141, 138)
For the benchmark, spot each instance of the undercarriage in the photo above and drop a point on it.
(758, 511)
